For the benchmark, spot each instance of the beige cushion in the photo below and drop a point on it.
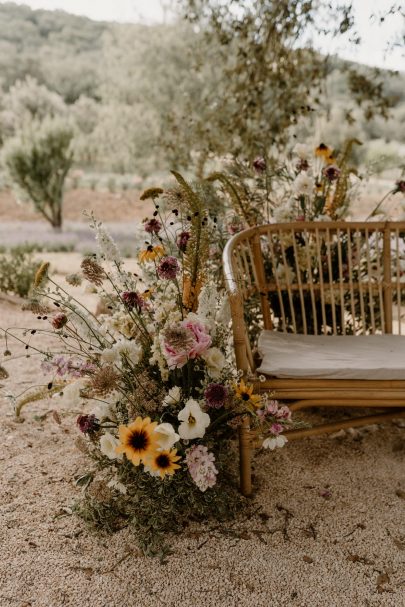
(286, 355)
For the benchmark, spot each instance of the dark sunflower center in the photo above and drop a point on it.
(139, 440)
(245, 396)
(163, 461)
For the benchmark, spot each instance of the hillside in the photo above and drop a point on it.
(58, 49)
(141, 99)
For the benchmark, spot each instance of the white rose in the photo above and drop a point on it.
(167, 436)
(195, 421)
(108, 444)
(215, 362)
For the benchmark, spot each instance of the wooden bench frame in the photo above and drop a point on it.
(373, 254)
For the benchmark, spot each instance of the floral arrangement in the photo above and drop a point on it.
(309, 183)
(158, 372)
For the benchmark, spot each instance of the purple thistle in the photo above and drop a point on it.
(132, 300)
(88, 424)
(331, 172)
(182, 241)
(259, 164)
(215, 395)
(152, 226)
(168, 268)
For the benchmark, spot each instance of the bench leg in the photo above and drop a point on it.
(245, 456)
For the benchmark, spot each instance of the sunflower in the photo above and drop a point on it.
(245, 393)
(164, 462)
(151, 253)
(138, 440)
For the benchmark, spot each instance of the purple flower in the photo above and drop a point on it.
(182, 240)
(400, 186)
(88, 424)
(215, 395)
(259, 164)
(153, 226)
(168, 268)
(132, 300)
(331, 172)
(59, 321)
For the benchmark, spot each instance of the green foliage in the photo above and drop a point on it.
(38, 161)
(180, 502)
(17, 271)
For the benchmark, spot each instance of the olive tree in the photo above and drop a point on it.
(37, 161)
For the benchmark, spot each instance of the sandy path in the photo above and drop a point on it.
(330, 532)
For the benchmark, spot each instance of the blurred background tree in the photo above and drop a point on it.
(38, 160)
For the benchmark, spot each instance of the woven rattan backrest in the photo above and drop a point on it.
(320, 277)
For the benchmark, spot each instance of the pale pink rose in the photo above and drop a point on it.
(202, 340)
(276, 428)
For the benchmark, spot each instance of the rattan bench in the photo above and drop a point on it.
(317, 309)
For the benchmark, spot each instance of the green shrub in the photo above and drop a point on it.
(17, 271)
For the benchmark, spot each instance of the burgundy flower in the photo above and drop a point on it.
(153, 226)
(302, 165)
(88, 423)
(259, 164)
(168, 268)
(215, 395)
(400, 186)
(59, 321)
(132, 300)
(182, 241)
(331, 172)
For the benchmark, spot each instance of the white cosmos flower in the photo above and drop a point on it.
(108, 444)
(173, 397)
(167, 436)
(215, 361)
(195, 421)
(303, 151)
(276, 441)
(303, 184)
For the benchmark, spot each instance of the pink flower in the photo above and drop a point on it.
(276, 429)
(202, 340)
(283, 413)
(185, 340)
(200, 464)
(272, 408)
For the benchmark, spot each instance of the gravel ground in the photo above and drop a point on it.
(327, 530)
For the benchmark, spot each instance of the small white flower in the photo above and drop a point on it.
(195, 421)
(173, 397)
(115, 484)
(303, 184)
(215, 361)
(276, 441)
(71, 392)
(167, 436)
(108, 444)
(302, 150)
